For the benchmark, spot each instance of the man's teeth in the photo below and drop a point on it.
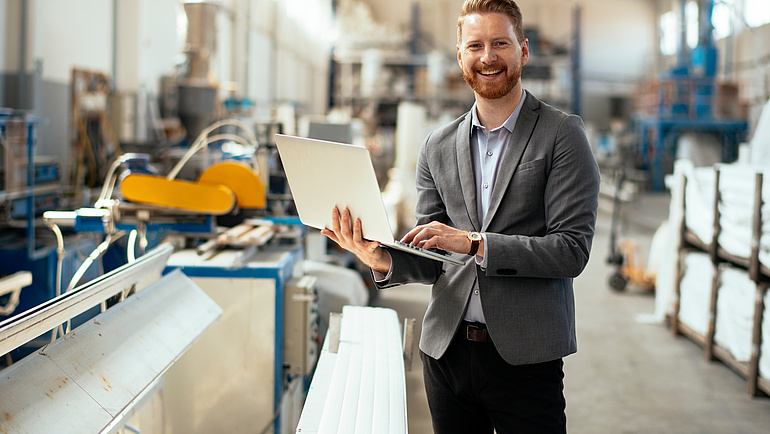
(497, 71)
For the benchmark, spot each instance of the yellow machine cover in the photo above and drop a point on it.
(249, 192)
(190, 196)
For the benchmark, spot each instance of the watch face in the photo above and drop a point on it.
(474, 236)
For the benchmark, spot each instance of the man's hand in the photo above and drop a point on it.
(349, 236)
(440, 236)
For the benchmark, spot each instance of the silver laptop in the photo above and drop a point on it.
(323, 175)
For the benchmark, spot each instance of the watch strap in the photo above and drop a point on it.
(474, 247)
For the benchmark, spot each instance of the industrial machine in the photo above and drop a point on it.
(192, 95)
(688, 98)
(236, 269)
(249, 372)
(105, 375)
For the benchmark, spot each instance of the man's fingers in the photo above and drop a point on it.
(410, 235)
(346, 232)
(358, 235)
(423, 235)
(330, 234)
(335, 220)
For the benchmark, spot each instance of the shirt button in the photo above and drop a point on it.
(486, 185)
(489, 153)
(476, 291)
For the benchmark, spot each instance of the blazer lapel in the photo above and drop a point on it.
(465, 167)
(522, 132)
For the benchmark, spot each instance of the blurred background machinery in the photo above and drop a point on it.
(128, 127)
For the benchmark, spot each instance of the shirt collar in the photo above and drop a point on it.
(509, 123)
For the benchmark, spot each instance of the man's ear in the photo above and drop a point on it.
(525, 52)
(459, 57)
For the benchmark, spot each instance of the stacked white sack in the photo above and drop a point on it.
(735, 312)
(695, 292)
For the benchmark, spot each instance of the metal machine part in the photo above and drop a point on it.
(22, 328)
(13, 285)
(300, 339)
(196, 92)
(242, 355)
(107, 368)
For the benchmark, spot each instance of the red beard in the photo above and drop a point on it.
(493, 90)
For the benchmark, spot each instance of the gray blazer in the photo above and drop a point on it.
(539, 230)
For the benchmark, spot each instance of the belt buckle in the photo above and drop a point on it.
(468, 329)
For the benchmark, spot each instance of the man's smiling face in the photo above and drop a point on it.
(490, 55)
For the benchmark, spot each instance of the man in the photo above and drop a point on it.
(514, 184)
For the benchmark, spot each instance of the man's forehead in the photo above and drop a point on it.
(475, 20)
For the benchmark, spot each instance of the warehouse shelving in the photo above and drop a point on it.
(758, 273)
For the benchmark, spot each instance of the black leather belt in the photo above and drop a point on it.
(476, 332)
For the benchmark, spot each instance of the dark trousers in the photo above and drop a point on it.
(471, 389)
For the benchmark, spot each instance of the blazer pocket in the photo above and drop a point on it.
(529, 165)
(530, 177)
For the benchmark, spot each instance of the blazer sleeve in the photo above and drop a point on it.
(570, 201)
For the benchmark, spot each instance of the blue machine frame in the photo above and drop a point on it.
(685, 103)
(281, 272)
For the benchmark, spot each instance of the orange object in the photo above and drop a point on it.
(240, 179)
(190, 196)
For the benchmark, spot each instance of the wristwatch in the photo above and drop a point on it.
(475, 238)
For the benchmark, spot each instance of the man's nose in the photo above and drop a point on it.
(489, 55)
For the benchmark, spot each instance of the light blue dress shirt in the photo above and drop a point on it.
(487, 150)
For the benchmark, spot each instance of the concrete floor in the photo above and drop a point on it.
(627, 377)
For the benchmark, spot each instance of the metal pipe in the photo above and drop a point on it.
(682, 57)
(114, 43)
(414, 47)
(22, 89)
(705, 27)
(30, 188)
(247, 52)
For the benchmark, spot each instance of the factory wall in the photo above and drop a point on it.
(267, 51)
(612, 30)
(618, 41)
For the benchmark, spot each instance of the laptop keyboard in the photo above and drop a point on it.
(420, 249)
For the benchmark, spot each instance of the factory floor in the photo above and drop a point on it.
(627, 377)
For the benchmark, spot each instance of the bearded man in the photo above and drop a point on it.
(513, 184)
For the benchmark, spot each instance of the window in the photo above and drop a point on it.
(312, 15)
(691, 18)
(668, 33)
(721, 18)
(756, 12)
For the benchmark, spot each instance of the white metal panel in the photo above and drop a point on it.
(361, 388)
(163, 323)
(35, 390)
(89, 379)
(313, 410)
